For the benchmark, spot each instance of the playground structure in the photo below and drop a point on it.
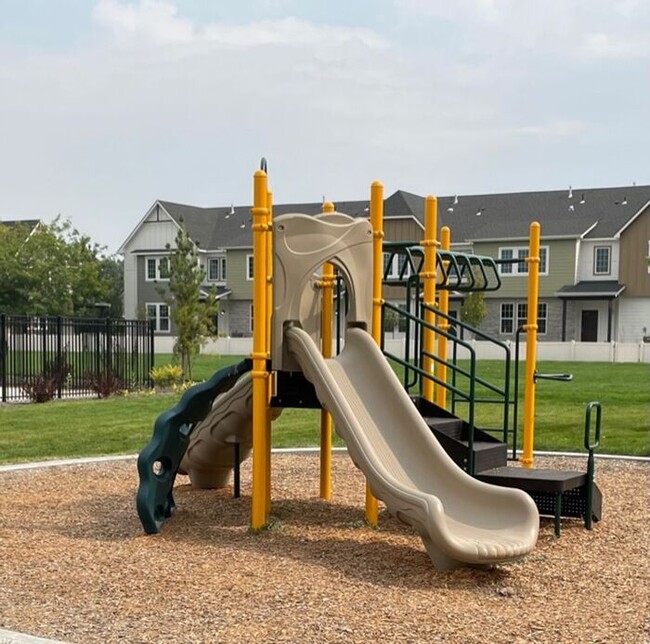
(462, 520)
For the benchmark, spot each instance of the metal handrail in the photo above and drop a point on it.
(591, 465)
(469, 397)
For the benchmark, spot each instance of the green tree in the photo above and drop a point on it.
(193, 318)
(52, 270)
(112, 275)
(474, 309)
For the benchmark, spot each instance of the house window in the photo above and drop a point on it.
(249, 267)
(388, 265)
(507, 314)
(217, 269)
(157, 269)
(522, 314)
(159, 313)
(521, 267)
(252, 319)
(507, 318)
(602, 260)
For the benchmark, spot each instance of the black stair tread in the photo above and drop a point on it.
(444, 424)
(533, 479)
(483, 445)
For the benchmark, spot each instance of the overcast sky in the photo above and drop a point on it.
(108, 105)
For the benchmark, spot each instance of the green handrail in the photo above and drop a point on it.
(591, 465)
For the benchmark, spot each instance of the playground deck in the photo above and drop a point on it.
(76, 566)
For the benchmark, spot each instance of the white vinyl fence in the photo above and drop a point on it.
(558, 351)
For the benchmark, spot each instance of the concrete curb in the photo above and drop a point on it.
(11, 637)
(93, 460)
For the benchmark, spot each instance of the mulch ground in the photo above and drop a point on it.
(76, 566)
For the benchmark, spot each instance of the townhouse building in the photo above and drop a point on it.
(594, 272)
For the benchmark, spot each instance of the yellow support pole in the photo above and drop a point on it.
(443, 299)
(429, 277)
(327, 323)
(269, 318)
(531, 344)
(259, 211)
(377, 221)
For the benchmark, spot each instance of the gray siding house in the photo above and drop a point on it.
(594, 281)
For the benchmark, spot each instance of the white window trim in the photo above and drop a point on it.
(516, 319)
(221, 265)
(515, 266)
(609, 260)
(157, 259)
(157, 319)
(250, 265)
(502, 318)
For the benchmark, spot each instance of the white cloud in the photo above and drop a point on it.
(598, 29)
(170, 107)
(158, 22)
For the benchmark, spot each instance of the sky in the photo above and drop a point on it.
(108, 105)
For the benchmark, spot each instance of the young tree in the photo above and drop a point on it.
(474, 309)
(193, 319)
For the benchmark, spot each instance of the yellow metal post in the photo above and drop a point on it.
(377, 221)
(327, 323)
(259, 373)
(443, 299)
(269, 318)
(531, 344)
(429, 277)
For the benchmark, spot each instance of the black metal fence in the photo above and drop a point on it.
(73, 357)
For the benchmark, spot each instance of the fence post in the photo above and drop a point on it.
(59, 357)
(108, 357)
(152, 327)
(4, 350)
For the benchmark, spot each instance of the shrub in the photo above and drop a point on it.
(167, 376)
(40, 388)
(105, 384)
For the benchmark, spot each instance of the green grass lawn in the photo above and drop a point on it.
(61, 429)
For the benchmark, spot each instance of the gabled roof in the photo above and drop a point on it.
(590, 212)
(230, 226)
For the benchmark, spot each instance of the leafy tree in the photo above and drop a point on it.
(52, 270)
(193, 319)
(474, 309)
(112, 275)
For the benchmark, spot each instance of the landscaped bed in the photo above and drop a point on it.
(75, 565)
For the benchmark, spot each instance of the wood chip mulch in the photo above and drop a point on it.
(76, 566)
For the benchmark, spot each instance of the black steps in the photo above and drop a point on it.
(453, 434)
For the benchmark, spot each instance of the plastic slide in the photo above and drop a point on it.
(208, 460)
(460, 520)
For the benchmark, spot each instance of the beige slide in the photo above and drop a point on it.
(460, 520)
(209, 457)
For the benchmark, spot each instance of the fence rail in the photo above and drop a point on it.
(73, 357)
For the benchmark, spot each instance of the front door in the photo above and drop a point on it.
(589, 326)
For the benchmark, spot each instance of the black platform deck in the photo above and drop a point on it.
(556, 493)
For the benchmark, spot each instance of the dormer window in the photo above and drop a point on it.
(602, 260)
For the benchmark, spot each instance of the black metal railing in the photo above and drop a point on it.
(73, 357)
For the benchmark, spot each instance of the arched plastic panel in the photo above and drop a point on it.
(301, 245)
